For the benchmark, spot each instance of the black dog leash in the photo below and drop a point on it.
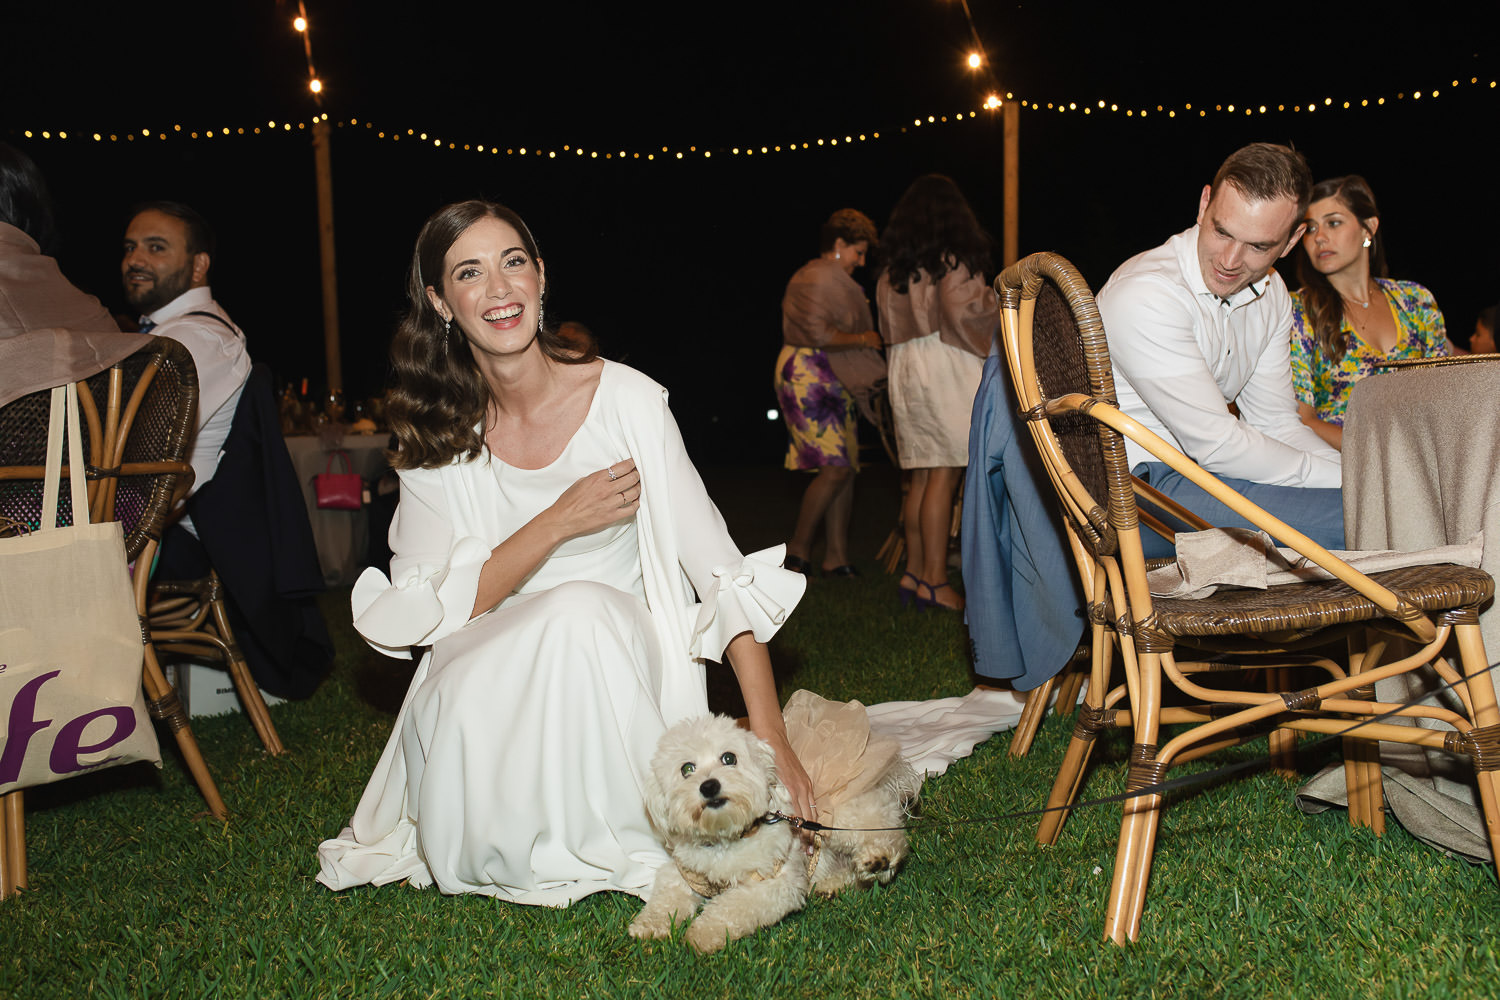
(1170, 784)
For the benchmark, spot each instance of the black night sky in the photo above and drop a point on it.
(678, 264)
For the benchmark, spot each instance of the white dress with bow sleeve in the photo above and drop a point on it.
(516, 764)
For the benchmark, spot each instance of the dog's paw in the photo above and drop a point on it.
(875, 866)
(651, 924)
(830, 887)
(707, 936)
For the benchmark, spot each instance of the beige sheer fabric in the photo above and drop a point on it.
(961, 306)
(844, 759)
(50, 332)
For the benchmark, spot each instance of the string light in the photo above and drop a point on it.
(992, 102)
(299, 25)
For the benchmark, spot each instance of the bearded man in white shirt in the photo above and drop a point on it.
(1202, 322)
(168, 250)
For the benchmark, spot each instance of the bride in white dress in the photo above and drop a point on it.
(555, 549)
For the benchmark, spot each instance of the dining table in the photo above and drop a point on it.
(1421, 461)
(341, 536)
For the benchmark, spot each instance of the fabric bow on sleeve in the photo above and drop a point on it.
(423, 606)
(755, 596)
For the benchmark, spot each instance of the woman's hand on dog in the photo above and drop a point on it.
(789, 769)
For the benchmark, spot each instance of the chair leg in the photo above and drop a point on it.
(1071, 683)
(1031, 718)
(1138, 822)
(1484, 739)
(1070, 775)
(1127, 893)
(1283, 742)
(1362, 757)
(239, 670)
(1092, 718)
(12, 843)
(163, 703)
(1364, 782)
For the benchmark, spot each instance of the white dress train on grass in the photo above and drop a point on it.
(514, 769)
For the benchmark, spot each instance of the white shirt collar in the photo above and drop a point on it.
(1192, 270)
(193, 298)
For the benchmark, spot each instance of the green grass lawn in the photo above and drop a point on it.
(135, 892)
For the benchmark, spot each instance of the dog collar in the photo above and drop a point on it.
(708, 888)
(753, 828)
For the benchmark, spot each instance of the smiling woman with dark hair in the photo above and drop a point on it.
(557, 556)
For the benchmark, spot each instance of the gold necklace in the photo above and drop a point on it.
(1369, 297)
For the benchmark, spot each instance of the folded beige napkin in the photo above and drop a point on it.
(1239, 557)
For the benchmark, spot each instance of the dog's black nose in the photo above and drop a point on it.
(709, 789)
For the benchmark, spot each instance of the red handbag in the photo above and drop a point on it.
(338, 490)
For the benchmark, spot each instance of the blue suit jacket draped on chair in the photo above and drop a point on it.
(1025, 605)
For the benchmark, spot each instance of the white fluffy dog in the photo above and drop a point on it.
(711, 793)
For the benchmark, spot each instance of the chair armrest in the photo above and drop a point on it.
(1387, 600)
(1166, 503)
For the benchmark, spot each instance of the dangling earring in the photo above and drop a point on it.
(541, 313)
(1367, 241)
(447, 334)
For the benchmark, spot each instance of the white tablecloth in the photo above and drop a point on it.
(1422, 469)
(342, 536)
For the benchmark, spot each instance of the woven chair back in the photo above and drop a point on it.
(137, 421)
(1061, 344)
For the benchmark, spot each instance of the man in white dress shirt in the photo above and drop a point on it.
(168, 250)
(1203, 322)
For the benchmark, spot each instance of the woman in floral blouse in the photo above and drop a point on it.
(1348, 317)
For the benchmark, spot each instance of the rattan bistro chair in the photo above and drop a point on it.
(138, 417)
(1056, 349)
(190, 617)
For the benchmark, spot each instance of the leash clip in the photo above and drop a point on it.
(798, 823)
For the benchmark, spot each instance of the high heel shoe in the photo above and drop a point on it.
(797, 565)
(931, 601)
(908, 595)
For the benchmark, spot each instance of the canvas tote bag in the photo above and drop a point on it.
(70, 640)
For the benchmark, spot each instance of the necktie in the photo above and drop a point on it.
(146, 325)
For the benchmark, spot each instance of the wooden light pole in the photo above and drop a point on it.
(1011, 111)
(323, 160)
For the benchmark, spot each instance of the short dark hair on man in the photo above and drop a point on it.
(24, 202)
(1264, 171)
(199, 233)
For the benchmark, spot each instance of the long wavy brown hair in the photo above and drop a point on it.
(436, 408)
(933, 229)
(1324, 307)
